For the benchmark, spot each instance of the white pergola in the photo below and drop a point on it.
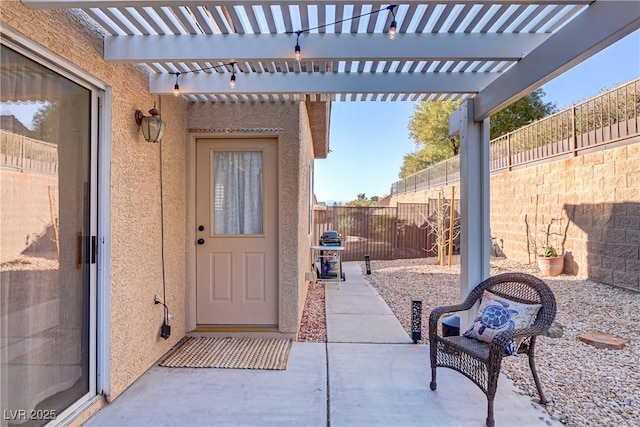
(487, 53)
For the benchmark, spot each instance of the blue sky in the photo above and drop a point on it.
(368, 140)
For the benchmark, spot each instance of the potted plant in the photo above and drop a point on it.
(549, 262)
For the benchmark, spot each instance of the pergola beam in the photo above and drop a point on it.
(317, 47)
(65, 4)
(328, 83)
(601, 25)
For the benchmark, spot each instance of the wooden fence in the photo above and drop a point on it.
(382, 233)
(23, 154)
(604, 119)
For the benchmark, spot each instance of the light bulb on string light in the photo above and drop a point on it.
(394, 25)
(297, 48)
(232, 82)
(176, 87)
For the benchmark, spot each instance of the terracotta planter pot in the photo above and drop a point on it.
(551, 266)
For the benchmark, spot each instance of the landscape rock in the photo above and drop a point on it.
(600, 340)
(556, 330)
(569, 370)
(585, 387)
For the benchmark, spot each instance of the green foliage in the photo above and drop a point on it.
(429, 128)
(46, 123)
(549, 251)
(521, 113)
(362, 200)
(346, 222)
(381, 224)
(419, 160)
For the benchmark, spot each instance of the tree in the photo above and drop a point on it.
(362, 200)
(521, 113)
(429, 128)
(46, 123)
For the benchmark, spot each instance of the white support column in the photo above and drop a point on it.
(475, 236)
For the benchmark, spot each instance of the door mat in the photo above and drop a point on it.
(238, 353)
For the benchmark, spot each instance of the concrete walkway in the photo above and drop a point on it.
(368, 374)
(356, 313)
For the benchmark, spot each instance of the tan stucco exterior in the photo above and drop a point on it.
(305, 198)
(136, 273)
(289, 123)
(136, 252)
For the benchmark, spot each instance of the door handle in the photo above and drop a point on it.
(201, 228)
(201, 241)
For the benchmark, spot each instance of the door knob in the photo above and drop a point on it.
(201, 241)
(201, 228)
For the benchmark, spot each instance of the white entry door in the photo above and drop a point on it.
(237, 232)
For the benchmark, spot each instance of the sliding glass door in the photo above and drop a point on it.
(47, 240)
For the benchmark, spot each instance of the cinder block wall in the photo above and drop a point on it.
(591, 204)
(25, 210)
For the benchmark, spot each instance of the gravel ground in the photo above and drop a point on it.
(586, 386)
(314, 322)
(28, 263)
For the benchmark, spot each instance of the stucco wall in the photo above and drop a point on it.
(592, 202)
(136, 273)
(270, 115)
(306, 162)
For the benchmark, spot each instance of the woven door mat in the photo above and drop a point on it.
(238, 353)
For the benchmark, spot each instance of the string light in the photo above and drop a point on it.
(297, 50)
(176, 87)
(392, 27)
(394, 24)
(233, 76)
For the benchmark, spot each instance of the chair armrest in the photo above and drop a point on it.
(465, 305)
(438, 312)
(501, 339)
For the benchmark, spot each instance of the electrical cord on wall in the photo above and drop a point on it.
(165, 330)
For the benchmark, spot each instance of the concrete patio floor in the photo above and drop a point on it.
(368, 374)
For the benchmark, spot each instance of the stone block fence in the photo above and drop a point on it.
(587, 206)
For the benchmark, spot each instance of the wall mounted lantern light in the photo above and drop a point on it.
(152, 126)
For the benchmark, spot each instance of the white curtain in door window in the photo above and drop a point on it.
(237, 192)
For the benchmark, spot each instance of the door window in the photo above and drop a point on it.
(237, 192)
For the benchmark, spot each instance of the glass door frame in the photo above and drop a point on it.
(100, 216)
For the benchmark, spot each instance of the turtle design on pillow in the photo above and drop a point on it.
(497, 316)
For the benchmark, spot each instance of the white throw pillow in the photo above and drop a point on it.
(498, 314)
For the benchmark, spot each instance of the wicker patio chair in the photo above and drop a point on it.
(480, 361)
